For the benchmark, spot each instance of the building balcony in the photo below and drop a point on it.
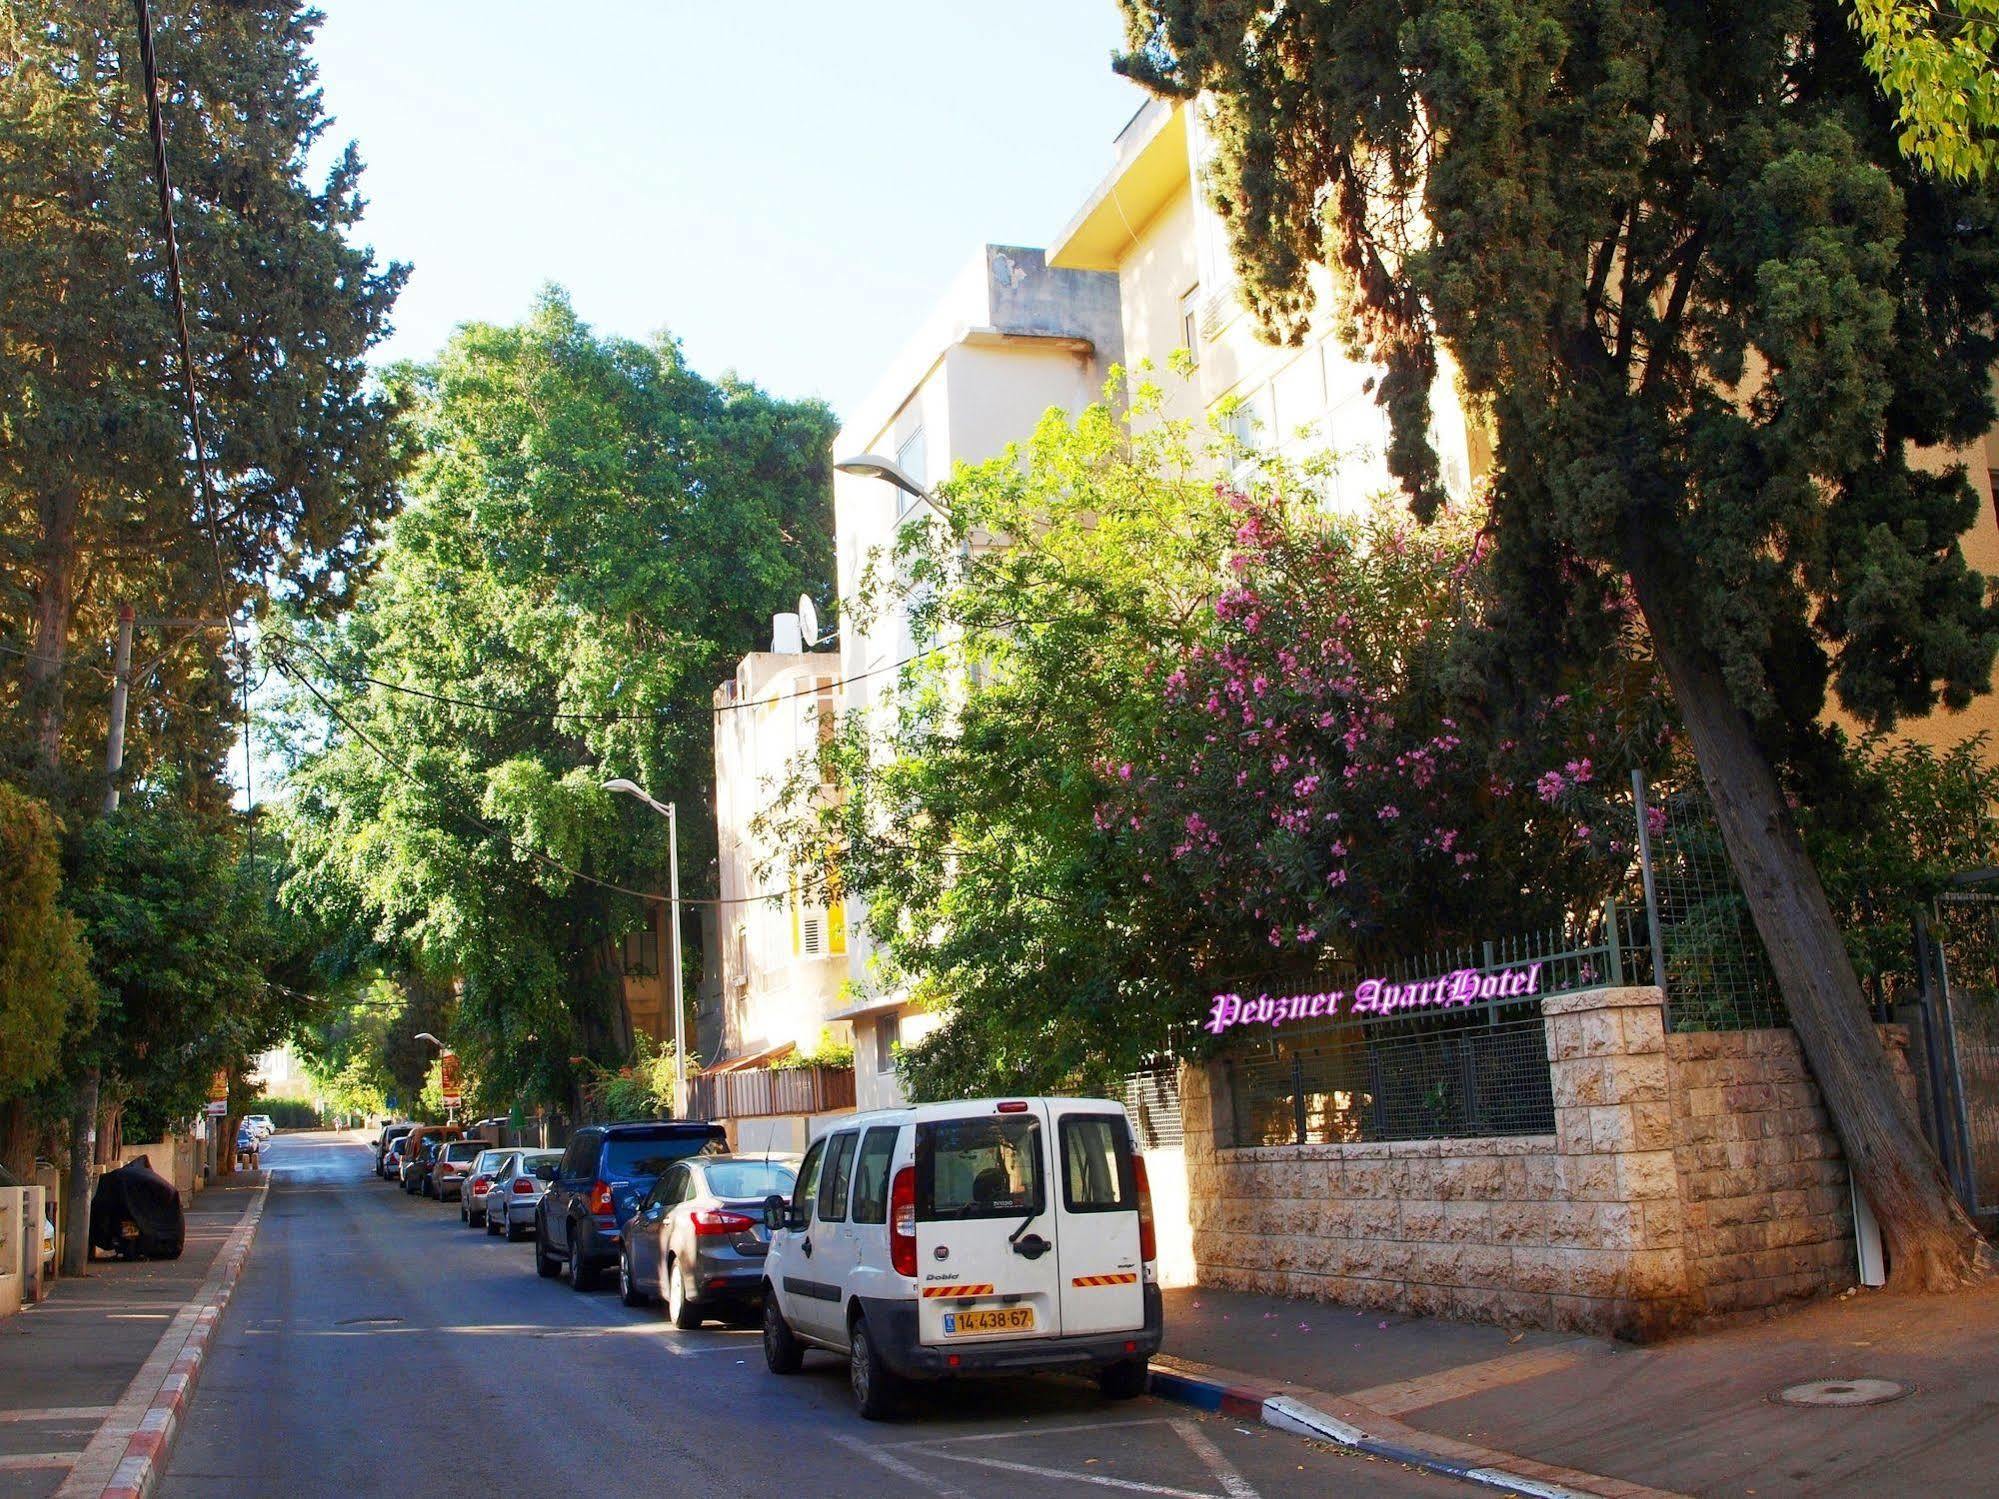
(758, 1092)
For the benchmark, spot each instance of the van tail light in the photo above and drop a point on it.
(1148, 1240)
(600, 1198)
(710, 1223)
(523, 1185)
(902, 1222)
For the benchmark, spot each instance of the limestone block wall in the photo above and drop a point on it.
(1687, 1175)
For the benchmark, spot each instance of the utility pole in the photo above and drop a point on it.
(673, 934)
(83, 1123)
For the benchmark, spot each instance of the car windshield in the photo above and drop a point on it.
(543, 1167)
(626, 1158)
(750, 1178)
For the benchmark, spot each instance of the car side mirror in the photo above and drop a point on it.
(775, 1210)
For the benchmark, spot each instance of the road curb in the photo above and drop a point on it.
(1360, 1430)
(150, 1445)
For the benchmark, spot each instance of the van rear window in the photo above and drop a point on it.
(1096, 1164)
(979, 1168)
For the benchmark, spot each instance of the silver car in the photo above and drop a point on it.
(697, 1240)
(472, 1192)
(517, 1189)
(453, 1165)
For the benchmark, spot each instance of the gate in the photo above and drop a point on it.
(1957, 966)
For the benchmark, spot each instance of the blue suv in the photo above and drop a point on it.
(606, 1172)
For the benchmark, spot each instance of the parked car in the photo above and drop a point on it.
(478, 1178)
(261, 1124)
(697, 1239)
(385, 1141)
(393, 1157)
(604, 1173)
(990, 1236)
(450, 1167)
(517, 1189)
(418, 1150)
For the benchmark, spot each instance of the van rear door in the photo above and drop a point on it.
(1096, 1200)
(986, 1263)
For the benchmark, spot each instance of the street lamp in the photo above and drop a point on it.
(427, 1036)
(874, 466)
(669, 811)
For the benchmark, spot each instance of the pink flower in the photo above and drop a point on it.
(1389, 813)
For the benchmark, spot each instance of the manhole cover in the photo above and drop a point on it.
(1842, 1392)
(368, 1322)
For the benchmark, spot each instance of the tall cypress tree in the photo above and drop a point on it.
(98, 500)
(1712, 308)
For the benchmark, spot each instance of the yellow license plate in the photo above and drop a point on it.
(978, 1323)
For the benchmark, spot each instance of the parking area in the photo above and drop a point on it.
(376, 1344)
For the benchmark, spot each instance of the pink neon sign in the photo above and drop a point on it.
(1467, 986)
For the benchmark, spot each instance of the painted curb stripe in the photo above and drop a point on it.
(1282, 1413)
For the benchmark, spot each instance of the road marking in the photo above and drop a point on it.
(898, 1467)
(1233, 1483)
(1040, 1432)
(1468, 1379)
(16, 1461)
(1101, 1480)
(59, 1413)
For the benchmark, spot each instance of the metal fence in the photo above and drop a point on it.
(1476, 1070)
(1482, 1069)
(1712, 965)
(756, 1092)
(1958, 958)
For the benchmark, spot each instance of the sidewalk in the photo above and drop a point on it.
(70, 1368)
(1696, 1415)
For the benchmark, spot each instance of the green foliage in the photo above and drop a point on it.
(291, 1113)
(97, 498)
(46, 990)
(827, 1053)
(641, 1089)
(1091, 806)
(1681, 257)
(597, 534)
(179, 940)
(1941, 64)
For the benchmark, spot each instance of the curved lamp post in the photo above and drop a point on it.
(672, 816)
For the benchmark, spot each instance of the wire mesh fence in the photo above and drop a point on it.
(1712, 965)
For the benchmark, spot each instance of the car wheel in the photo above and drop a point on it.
(782, 1352)
(1125, 1380)
(874, 1385)
(515, 1231)
(684, 1312)
(545, 1264)
(580, 1278)
(492, 1225)
(628, 1283)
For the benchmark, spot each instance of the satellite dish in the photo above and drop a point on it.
(808, 620)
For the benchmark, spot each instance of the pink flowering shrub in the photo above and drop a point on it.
(1326, 768)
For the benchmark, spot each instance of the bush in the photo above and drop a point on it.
(287, 1113)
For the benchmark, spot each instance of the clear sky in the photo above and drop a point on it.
(785, 185)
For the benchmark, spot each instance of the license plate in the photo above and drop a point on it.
(988, 1320)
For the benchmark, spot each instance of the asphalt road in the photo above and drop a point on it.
(376, 1346)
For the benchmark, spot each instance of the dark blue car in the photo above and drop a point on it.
(605, 1173)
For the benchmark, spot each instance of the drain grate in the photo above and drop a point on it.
(1842, 1392)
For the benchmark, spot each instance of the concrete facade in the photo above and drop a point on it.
(1688, 1175)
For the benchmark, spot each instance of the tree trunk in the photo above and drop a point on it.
(1932, 1244)
(55, 601)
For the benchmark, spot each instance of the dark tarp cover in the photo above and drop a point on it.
(138, 1193)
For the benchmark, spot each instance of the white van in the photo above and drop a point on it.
(983, 1237)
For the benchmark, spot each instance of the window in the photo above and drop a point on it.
(808, 1180)
(888, 1035)
(1190, 324)
(582, 1157)
(871, 1174)
(1097, 1176)
(669, 1189)
(744, 1180)
(742, 974)
(626, 1157)
(913, 459)
(833, 1185)
(979, 1168)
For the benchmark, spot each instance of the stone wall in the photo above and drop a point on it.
(1763, 1187)
(1687, 1175)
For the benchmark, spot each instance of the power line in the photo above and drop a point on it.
(156, 128)
(568, 715)
(501, 833)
